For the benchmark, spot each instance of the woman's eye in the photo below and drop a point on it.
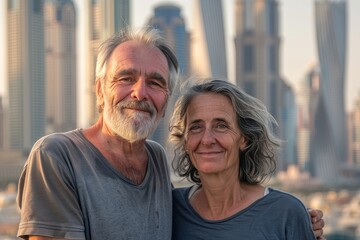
(221, 127)
(195, 128)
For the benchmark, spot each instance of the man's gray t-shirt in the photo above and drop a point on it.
(69, 190)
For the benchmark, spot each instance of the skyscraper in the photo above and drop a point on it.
(2, 125)
(257, 67)
(257, 44)
(60, 65)
(329, 141)
(104, 18)
(208, 49)
(167, 18)
(288, 153)
(354, 138)
(307, 97)
(25, 31)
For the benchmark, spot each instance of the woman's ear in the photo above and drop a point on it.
(243, 143)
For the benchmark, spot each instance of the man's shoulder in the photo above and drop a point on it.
(155, 148)
(57, 140)
(154, 145)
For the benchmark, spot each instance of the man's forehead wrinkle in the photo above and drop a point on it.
(124, 71)
(154, 74)
(138, 59)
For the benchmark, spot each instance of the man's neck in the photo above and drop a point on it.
(130, 159)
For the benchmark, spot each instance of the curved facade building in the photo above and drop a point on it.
(208, 50)
(328, 146)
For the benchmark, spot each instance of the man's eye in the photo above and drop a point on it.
(125, 79)
(157, 84)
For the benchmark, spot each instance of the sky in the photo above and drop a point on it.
(298, 51)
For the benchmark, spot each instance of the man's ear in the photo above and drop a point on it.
(99, 92)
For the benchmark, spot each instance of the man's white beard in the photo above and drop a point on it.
(130, 124)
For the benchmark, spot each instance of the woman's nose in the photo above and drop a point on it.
(208, 137)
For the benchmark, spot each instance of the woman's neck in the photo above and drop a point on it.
(220, 200)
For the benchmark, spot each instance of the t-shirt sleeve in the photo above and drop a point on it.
(47, 197)
(298, 222)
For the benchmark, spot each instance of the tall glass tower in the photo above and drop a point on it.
(257, 67)
(104, 18)
(167, 18)
(329, 141)
(60, 62)
(25, 33)
(257, 44)
(208, 48)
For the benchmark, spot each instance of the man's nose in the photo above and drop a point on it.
(139, 90)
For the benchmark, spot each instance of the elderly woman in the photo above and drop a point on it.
(224, 144)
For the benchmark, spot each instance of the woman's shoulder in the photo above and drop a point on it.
(182, 193)
(284, 198)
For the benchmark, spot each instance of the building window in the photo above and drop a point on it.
(37, 6)
(249, 88)
(272, 59)
(248, 58)
(13, 4)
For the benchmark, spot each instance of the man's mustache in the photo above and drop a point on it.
(139, 105)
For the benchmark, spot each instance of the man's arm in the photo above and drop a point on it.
(317, 222)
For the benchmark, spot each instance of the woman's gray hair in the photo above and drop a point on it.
(257, 160)
(147, 35)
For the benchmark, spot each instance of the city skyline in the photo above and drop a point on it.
(297, 24)
(297, 33)
(297, 122)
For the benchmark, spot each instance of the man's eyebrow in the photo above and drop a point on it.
(122, 72)
(157, 76)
